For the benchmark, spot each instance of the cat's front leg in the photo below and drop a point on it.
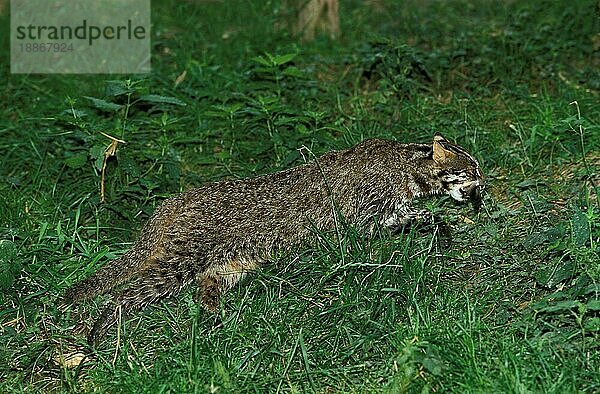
(406, 217)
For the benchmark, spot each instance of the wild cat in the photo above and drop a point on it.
(214, 234)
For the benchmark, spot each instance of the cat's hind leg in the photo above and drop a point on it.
(218, 278)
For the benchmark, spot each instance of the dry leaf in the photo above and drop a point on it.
(69, 360)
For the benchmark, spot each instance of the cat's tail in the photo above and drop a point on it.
(112, 274)
(146, 250)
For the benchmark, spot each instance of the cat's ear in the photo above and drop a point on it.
(441, 153)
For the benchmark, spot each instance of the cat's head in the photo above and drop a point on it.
(459, 172)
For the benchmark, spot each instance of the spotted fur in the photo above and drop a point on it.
(214, 234)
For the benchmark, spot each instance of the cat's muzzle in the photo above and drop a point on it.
(473, 192)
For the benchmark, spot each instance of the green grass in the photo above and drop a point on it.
(507, 302)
